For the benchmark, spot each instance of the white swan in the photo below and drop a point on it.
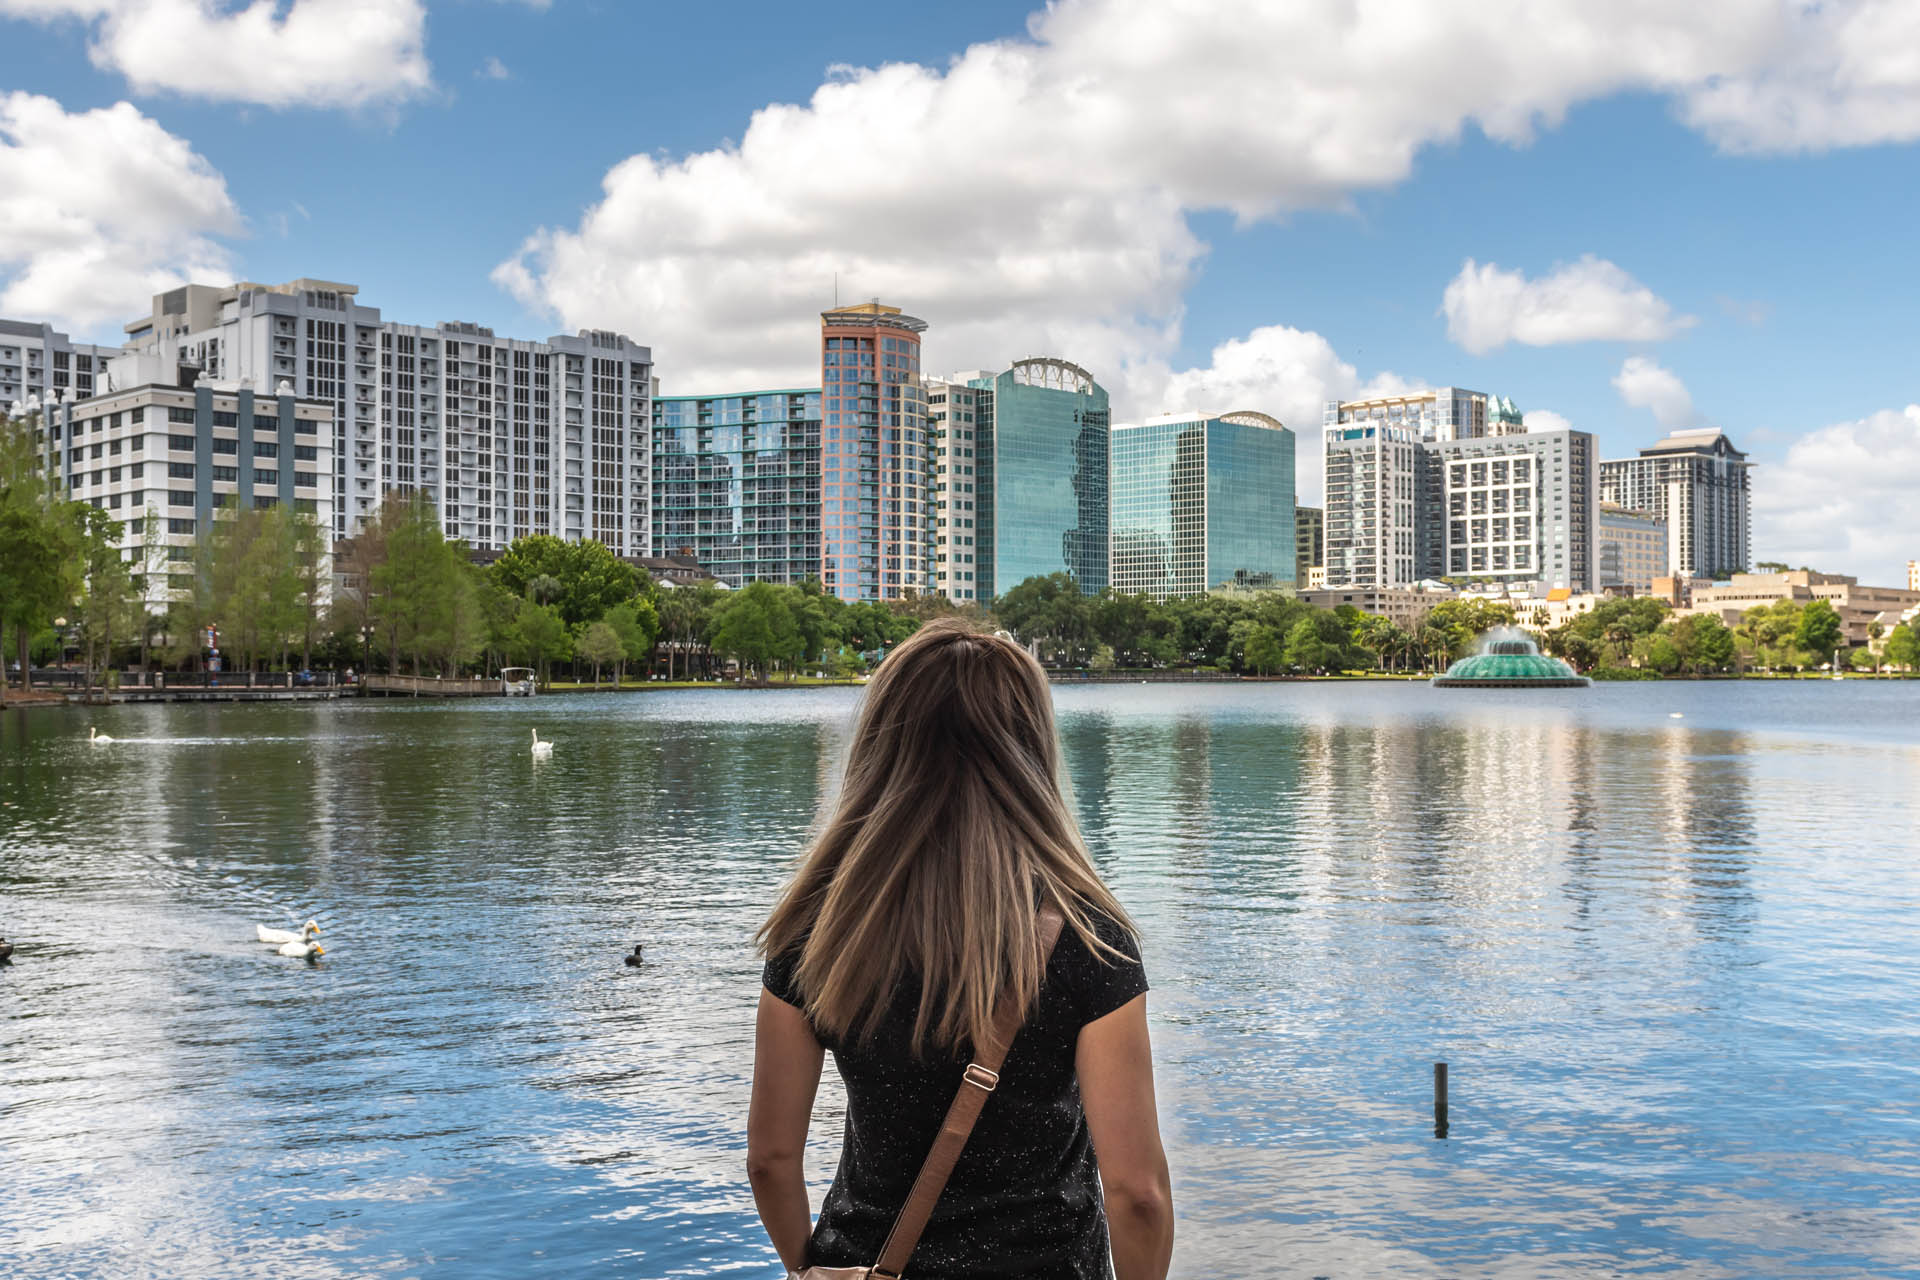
(541, 748)
(308, 932)
(96, 737)
(302, 950)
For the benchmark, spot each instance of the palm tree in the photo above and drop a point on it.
(1619, 638)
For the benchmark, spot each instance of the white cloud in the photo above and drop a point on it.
(1586, 301)
(1645, 384)
(1830, 75)
(1033, 195)
(99, 209)
(493, 69)
(325, 53)
(1546, 420)
(1842, 499)
(1288, 373)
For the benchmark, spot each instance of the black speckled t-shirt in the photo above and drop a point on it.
(1025, 1198)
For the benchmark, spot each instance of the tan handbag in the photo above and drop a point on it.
(982, 1076)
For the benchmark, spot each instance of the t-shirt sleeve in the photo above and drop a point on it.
(1101, 981)
(778, 978)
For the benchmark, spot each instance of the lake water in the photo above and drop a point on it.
(1673, 964)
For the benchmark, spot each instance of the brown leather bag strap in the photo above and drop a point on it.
(982, 1076)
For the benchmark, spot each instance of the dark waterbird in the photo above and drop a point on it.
(636, 960)
(6, 951)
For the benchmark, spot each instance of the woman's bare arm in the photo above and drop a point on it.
(1115, 1064)
(786, 1074)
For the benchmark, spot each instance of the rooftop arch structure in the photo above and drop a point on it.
(1052, 373)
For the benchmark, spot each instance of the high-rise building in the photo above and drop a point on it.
(1028, 480)
(1381, 485)
(959, 416)
(1520, 508)
(876, 517)
(736, 483)
(506, 436)
(38, 361)
(1428, 485)
(1200, 503)
(1309, 542)
(1633, 549)
(167, 448)
(1695, 481)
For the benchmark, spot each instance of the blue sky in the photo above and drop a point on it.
(1681, 219)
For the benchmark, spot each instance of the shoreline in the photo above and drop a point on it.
(45, 698)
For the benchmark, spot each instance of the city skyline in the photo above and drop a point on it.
(1548, 212)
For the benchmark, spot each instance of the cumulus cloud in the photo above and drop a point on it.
(1034, 194)
(1646, 384)
(1843, 498)
(325, 53)
(493, 69)
(99, 209)
(1546, 420)
(1585, 301)
(1286, 372)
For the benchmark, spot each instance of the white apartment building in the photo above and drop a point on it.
(959, 413)
(37, 361)
(1379, 482)
(1520, 508)
(162, 452)
(1695, 481)
(506, 436)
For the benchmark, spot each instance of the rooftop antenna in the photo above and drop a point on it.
(836, 291)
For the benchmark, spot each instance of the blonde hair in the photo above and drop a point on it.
(949, 833)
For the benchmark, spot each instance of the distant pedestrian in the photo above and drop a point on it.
(916, 942)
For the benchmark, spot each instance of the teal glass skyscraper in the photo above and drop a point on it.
(1022, 481)
(1202, 503)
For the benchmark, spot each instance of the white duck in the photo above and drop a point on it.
(96, 737)
(308, 932)
(541, 749)
(303, 950)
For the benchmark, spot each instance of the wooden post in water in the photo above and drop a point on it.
(1439, 1099)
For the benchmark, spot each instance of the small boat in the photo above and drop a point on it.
(517, 682)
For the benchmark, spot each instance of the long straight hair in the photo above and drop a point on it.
(949, 834)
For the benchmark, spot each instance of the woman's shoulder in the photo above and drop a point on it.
(778, 974)
(1095, 979)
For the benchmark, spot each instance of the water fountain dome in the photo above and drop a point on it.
(1508, 658)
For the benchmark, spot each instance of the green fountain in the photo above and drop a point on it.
(1509, 659)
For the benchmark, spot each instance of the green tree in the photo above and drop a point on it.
(1863, 659)
(591, 579)
(1265, 652)
(1819, 631)
(1903, 647)
(636, 624)
(107, 603)
(40, 561)
(1702, 642)
(1656, 653)
(1102, 660)
(756, 625)
(600, 645)
(542, 636)
(1051, 612)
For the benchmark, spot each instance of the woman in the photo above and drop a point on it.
(918, 912)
